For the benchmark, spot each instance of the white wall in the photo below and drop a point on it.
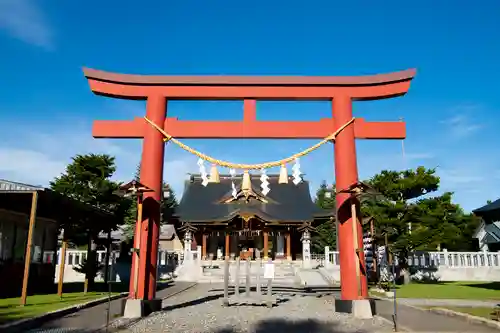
(446, 266)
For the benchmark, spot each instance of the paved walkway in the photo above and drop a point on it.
(417, 320)
(449, 302)
(313, 278)
(94, 318)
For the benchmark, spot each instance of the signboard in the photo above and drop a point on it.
(269, 271)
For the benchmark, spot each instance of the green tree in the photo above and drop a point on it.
(463, 240)
(326, 233)
(167, 206)
(414, 220)
(87, 179)
(131, 216)
(395, 214)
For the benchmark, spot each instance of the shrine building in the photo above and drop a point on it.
(233, 216)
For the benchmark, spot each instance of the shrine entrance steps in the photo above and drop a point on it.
(313, 278)
(287, 273)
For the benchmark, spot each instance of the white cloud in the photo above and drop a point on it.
(461, 126)
(472, 180)
(458, 178)
(24, 20)
(176, 172)
(28, 166)
(419, 156)
(42, 155)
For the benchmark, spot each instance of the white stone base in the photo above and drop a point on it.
(362, 309)
(134, 308)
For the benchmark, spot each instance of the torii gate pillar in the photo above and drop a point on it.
(153, 151)
(341, 91)
(346, 174)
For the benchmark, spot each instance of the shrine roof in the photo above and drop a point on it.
(489, 212)
(286, 203)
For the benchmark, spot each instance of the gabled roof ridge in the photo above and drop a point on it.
(285, 202)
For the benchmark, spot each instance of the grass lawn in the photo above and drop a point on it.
(451, 290)
(39, 304)
(479, 312)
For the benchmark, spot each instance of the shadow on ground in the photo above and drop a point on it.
(77, 322)
(486, 285)
(263, 326)
(62, 330)
(208, 299)
(115, 287)
(287, 289)
(78, 287)
(299, 326)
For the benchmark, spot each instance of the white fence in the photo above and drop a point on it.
(118, 271)
(74, 258)
(445, 265)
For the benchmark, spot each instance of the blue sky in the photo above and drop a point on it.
(46, 107)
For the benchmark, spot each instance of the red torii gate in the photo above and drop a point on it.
(156, 90)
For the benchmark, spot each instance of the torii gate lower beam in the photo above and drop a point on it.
(342, 91)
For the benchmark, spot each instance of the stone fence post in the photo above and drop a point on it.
(327, 257)
(446, 259)
(306, 249)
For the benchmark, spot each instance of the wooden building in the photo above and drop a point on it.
(244, 222)
(53, 211)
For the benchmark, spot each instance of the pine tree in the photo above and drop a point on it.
(326, 233)
(415, 220)
(87, 179)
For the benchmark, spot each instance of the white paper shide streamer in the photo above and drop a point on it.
(234, 193)
(203, 172)
(264, 183)
(296, 172)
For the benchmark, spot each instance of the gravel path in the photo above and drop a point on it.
(200, 310)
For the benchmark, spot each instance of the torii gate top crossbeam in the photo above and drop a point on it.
(129, 86)
(249, 89)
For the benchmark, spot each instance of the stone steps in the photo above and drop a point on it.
(220, 278)
(213, 271)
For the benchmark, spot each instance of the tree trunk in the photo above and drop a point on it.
(108, 255)
(405, 273)
(90, 265)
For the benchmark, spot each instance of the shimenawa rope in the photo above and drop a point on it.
(240, 166)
